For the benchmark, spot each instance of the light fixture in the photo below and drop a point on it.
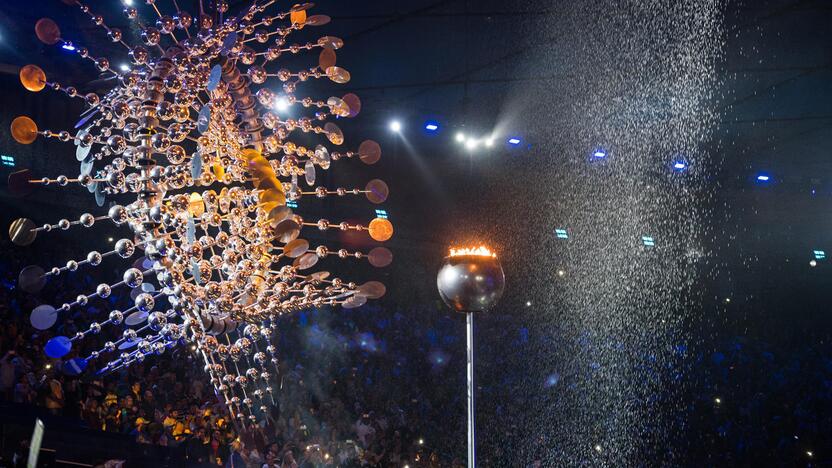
(514, 141)
(680, 166)
(489, 142)
(460, 137)
(763, 177)
(561, 233)
(281, 104)
(124, 67)
(599, 153)
(395, 126)
(431, 126)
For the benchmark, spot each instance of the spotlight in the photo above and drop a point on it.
(648, 241)
(128, 2)
(395, 126)
(124, 67)
(460, 137)
(599, 153)
(514, 141)
(561, 234)
(471, 143)
(680, 166)
(763, 177)
(489, 142)
(819, 254)
(281, 104)
(431, 126)
(68, 46)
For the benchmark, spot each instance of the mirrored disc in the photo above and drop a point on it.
(191, 229)
(204, 119)
(147, 287)
(372, 290)
(74, 366)
(278, 214)
(228, 43)
(369, 152)
(47, 31)
(81, 152)
(286, 231)
(318, 20)
(296, 248)
(302, 7)
(338, 75)
(309, 173)
(31, 279)
(99, 195)
(86, 169)
(377, 191)
(196, 165)
(19, 184)
(320, 275)
(127, 344)
(58, 347)
(338, 107)
(136, 317)
(334, 133)
(327, 58)
(43, 317)
(21, 231)
(354, 302)
(380, 257)
(331, 42)
(214, 77)
(305, 261)
(354, 103)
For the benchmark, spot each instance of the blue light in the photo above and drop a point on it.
(431, 126)
(680, 166)
(764, 177)
(599, 153)
(68, 46)
(819, 254)
(514, 141)
(291, 204)
(648, 241)
(7, 160)
(561, 234)
(381, 214)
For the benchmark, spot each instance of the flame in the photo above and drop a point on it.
(481, 251)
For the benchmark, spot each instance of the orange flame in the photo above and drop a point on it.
(481, 251)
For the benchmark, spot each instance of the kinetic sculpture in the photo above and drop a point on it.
(200, 166)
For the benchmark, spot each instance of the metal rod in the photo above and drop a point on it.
(472, 450)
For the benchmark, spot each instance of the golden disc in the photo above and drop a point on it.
(327, 59)
(24, 130)
(47, 31)
(32, 78)
(381, 229)
(195, 205)
(298, 17)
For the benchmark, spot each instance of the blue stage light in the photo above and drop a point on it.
(763, 177)
(68, 46)
(291, 203)
(599, 153)
(680, 166)
(381, 214)
(819, 254)
(561, 234)
(514, 141)
(7, 160)
(431, 126)
(648, 241)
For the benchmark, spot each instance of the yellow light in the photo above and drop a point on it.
(481, 251)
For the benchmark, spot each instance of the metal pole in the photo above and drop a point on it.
(472, 450)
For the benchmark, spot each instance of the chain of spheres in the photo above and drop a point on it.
(209, 168)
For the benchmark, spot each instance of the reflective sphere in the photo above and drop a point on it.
(471, 283)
